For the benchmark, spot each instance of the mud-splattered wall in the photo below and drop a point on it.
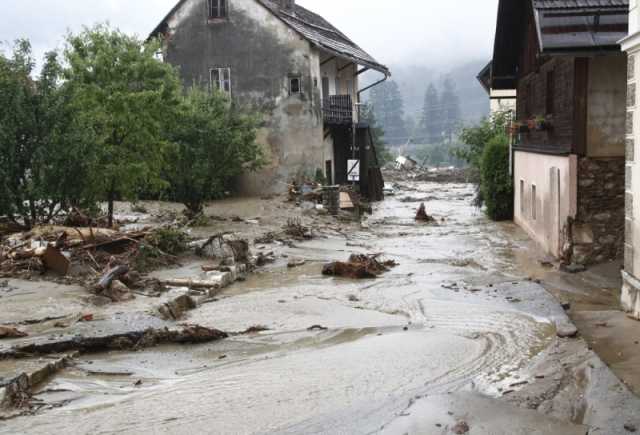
(263, 54)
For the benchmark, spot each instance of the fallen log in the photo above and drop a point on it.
(112, 275)
(190, 283)
(126, 341)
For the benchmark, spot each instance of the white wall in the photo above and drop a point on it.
(553, 206)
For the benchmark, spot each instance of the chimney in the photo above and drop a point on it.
(287, 4)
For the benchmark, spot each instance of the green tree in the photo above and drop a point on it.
(368, 116)
(41, 142)
(125, 96)
(450, 106)
(496, 182)
(213, 141)
(388, 107)
(432, 117)
(476, 138)
(492, 188)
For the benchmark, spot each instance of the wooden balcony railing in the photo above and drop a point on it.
(338, 109)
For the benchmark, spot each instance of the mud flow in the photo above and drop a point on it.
(428, 347)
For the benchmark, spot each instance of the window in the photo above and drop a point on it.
(221, 79)
(217, 9)
(295, 85)
(522, 197)
(534, 214)
(338, 89)
(551, 88)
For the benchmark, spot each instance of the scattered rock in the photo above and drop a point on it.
(567, 331)
(630, 427)
(296, 263)
(255, 329)
(9, 332)
(317, 328)
(573, 268)
(461, 428)
(118, 292)
(566, 306)
(422, 216)
(175, 309)
(358, 267)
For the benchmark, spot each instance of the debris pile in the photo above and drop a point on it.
(359, 266)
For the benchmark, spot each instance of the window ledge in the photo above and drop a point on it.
(217, 20)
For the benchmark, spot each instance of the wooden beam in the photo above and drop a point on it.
(362, 70)
(346, 66)
(327, 60)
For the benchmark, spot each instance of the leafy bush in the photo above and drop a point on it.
(496, 182)
(212, 142)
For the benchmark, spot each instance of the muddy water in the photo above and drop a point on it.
(439, 323)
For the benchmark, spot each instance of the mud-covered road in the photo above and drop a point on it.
(456, 336)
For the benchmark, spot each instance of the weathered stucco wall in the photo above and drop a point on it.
(606, 113)
(555, 200)
(263, 53)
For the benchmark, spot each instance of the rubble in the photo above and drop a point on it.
(359, 267)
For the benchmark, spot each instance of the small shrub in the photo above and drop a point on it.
(497, 184)
(169, 240)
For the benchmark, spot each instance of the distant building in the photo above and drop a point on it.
(500, 100)
(293, 64)
(631, 272)
(564, 60)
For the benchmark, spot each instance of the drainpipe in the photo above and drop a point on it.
(384, 79)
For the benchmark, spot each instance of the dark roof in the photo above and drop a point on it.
(562, 27)
(312, 27)
(484, 77)
(574, 4)
(323, 34)
(581, 24)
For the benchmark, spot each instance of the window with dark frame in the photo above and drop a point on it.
(221, 79)
(217, 9)
(295, 85)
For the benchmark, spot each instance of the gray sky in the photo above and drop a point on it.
(422, 32)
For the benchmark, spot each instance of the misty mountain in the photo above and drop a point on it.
(414, 79)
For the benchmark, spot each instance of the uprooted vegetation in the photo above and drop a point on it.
(359, 266)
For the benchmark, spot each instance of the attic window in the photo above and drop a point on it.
(295, 85)
(217, 9)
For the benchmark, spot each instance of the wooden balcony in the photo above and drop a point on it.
(338, 109)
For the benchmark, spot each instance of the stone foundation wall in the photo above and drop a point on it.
(598, 231)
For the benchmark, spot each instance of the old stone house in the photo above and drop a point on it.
(298, 69)
(564, 60)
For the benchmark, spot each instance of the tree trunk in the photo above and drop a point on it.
(110, 199)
